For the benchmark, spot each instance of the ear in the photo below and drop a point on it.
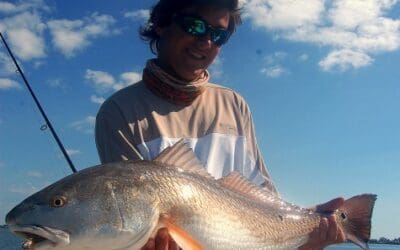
(160, 30)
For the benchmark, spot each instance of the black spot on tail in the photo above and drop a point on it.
(356, 215)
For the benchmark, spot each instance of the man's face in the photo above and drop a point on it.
(186, 56)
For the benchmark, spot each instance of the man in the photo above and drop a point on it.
(175, 100)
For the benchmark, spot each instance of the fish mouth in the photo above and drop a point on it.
(40, 236)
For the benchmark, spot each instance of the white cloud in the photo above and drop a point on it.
(56, 83)
(360, 26)
(25, 29)
(72, 152)
(35, 174)
(303, 57)
(71, 36)
(97, 99)
(342, 60)
(20, 6)
(6, 65)
(242, 3)
(131, 77)
(127, 79)
(273, 68)
(38, 64)
(104, 82)
(216, 68)
(350, 14)
(273, 71)
(138, 15)
(7, 7)
(6, 84)
(85, 125)
(275, 57)
(24, 34)
(284, 14)
(27, 44)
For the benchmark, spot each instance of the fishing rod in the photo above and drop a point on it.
(48, 123)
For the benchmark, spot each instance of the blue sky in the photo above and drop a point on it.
(321, 78)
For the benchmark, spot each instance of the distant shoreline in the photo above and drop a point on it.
(385, 241)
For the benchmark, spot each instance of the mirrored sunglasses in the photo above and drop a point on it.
(196, 26)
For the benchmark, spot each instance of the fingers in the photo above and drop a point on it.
(335, 233)
(172, 245)
(324, 230)
(150, 245)
(328, 232)
(314, 238)
(162, 241)
(333, 229)
(162, 238)
(341, 237)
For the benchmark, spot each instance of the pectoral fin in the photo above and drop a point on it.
(181, 237)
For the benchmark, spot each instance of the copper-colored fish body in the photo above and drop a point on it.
(121, 205)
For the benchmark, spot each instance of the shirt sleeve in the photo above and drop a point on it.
(260, 173)
(260, 165)
(113, 135)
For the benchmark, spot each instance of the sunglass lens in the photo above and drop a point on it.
(199, 26)
(219, 37)
(195, 26)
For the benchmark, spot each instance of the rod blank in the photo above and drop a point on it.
(48, 123)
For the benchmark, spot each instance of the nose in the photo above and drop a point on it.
(204, 41)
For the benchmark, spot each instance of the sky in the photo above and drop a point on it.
(321, 79)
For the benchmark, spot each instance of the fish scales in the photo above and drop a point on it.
(120, 205)
(195, 204)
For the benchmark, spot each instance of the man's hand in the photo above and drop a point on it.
(328, 231)
(163, 241)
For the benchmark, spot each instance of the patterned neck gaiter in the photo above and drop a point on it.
(170, 88)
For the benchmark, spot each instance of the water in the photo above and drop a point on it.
(371, 247)
(9, 241)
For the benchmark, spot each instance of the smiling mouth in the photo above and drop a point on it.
(40, 236)
(195, 54)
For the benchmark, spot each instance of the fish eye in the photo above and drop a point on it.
(58, 201)
(343, 216)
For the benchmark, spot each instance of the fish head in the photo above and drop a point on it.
(85, 211)
(49, 217)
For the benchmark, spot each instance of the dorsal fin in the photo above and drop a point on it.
(238, 183)
(181, 156)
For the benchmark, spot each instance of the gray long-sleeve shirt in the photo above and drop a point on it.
(217, 125)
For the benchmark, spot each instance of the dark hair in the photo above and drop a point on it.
(162, 12)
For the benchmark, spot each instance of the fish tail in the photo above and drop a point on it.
(355, 215)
